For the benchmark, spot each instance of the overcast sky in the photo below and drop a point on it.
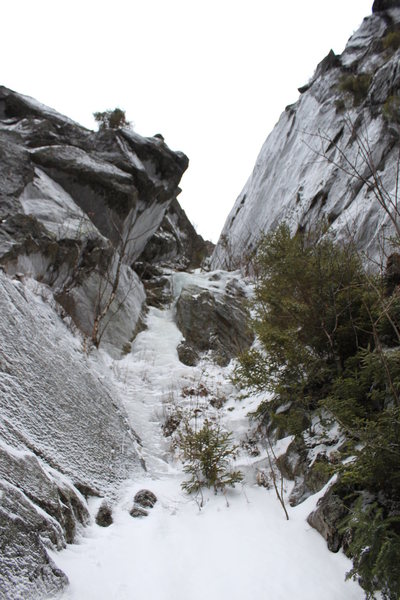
(211, 76)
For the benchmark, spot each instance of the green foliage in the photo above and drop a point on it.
(207, 454)
(369, 387)
(355, 85)
(376, 467)
(329, 337)
(111, 119)
(391, 41)
(375, 548)
(309, 315)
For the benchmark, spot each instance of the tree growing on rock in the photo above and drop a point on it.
(111, 119)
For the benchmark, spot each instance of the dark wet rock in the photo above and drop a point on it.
(145, 499)
(327, 518)
(381, 5)
(104, 515)
(187, 354)
(214, 321)
(137, 511)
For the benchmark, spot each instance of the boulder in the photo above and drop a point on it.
(104, 515)
(26, 569)
(214, 321)
(187, 354)
(138, 512)
(309, 475)
(145, 499)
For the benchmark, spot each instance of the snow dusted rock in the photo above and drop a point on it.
(26, 570)
(214, 319)
(302, 173)
(137, 512)
(77, 208)
(64, 435)
(104, 515)
(187, 354)
(145, 499)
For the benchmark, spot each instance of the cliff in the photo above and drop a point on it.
(334, 154)
(77, 209)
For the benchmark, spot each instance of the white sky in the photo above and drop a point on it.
(212, 76)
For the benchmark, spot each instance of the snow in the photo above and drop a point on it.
(235, 546)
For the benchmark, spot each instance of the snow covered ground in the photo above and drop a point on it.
(237, 546)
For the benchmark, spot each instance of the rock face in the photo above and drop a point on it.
(176, 241)
(213, 321)
(327, 518)
(331, 152)
(63, 435)
(77, 208)
(381, 5)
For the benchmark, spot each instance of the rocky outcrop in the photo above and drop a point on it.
(213, 320)
(332, 153)
(381, 5)
(78, 207)
(328, 517)
(176, 242)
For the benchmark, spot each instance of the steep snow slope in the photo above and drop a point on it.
(330, 153)
(236, 546)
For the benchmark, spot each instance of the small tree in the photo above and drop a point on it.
(207, 454)
(111, 119)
